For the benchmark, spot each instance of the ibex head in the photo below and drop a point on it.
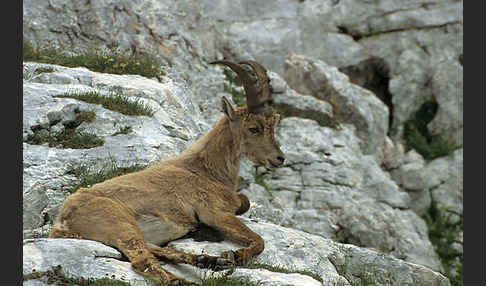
(254, 125)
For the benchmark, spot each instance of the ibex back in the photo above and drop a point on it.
(139, 213)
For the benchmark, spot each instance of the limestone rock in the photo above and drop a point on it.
(412, 37)
(78, 258)
(447, 87)
(447, 181)
(328, 187)
(266, 277)
(291, 249)
(173, 126)
(415, 57)
(351, 104)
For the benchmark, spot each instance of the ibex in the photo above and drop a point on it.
(139, 213)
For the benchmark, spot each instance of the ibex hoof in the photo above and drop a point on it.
(229, 255)
(213, 263)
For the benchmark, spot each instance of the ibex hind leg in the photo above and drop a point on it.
(106, 221)
(198, 260)
(145, 263)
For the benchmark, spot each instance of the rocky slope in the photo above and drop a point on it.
(349, 191)
(332, 262)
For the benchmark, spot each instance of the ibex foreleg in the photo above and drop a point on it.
(234, 230)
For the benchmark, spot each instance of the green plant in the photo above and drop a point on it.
(112, 60)
(226, 281)
(238, 96)
(66, 139)
(417, 135)
(123, 130)
(260, 180)
(367, 279)
(116, 102)
(69, 137)
(88, 177)
(444, 227)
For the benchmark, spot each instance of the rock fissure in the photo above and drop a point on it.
(398, 30)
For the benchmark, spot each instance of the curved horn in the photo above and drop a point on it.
(251, 89)
(265, 99)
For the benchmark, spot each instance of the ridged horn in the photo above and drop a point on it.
(265, 90)
(257, 93)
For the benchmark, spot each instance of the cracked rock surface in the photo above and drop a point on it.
(328, 187)
(347, 177)
(48, 171)
(292, 249)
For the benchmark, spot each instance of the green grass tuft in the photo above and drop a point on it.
(113, 60)
(116, 102)
(69, 137)
(88, 177)
(443, 231)
(227, 281)
(239, 97)
(418, 137)
(260, 180)
(123, 130)
(280, 269)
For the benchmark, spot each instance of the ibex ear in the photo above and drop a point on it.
(227, 108)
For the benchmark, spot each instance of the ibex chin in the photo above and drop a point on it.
(139, 213)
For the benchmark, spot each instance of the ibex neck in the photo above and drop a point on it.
(216, 154)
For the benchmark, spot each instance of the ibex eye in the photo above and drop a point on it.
(253, 130)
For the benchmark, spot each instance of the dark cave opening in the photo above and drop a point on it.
(373, 74)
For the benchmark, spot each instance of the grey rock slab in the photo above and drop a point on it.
(54, 78)
(78, 258)
(333, 190)
(415, 57)
(305, 106)
(446, 176)
(34, 202)
(170, 96)
(372, 267)
(174, 124)
(351, 103)
(418, 15)
(186, 35)
(410, 176)
(265, 277)
(297, 250)
(288, 248)
(35, 283)
(447, 88)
